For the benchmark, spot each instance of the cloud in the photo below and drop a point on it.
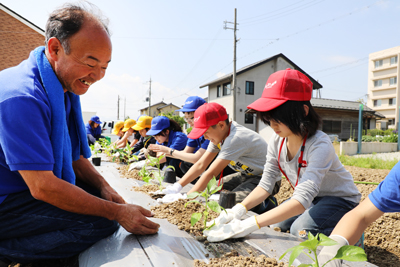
(220, 74)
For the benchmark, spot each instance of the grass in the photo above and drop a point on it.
(367, 162)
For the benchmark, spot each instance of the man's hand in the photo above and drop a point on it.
(328, 252)
(159, 148)
(171, 198)
(225, 217)
(171, 189)
(133, 219)
(108, 193)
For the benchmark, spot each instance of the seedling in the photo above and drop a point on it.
(348, 253)
(95, 148)
(212, 188)
(155, 161)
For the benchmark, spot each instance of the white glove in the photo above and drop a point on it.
(171, 189)
(328, 252)
(236, 212)
(234, 229)
(171, 198)
(136, 165)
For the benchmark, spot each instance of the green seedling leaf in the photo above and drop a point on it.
(326, 241)
(192, 201)
(211, 226)
(351, 253)
(211, 184)
(214, 206)
(170, 167)
(216, 189)
(310, 244)
(193, 195)
(195, 218)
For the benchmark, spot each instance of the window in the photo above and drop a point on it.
(219, 91)
(393, 81)
(378, 63)
(248, 118)
(332, 126)
(227, 89)
(392, 122)
(249, 88)
(377, 103)
(392, 101)
(393, 60)
(378, 83)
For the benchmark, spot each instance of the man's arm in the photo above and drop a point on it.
(198, 168)
(353, 223)
(214, 170)
(85, 171)
(122, 142)
(45, 186)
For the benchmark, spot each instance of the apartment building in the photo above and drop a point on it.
(383, 86)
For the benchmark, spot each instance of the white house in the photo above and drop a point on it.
(250, 82)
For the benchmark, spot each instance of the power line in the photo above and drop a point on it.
(341, 65)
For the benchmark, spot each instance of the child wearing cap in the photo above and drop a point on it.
(130, 136)
(93, 130)
(323, 190)
(195, 148)
(142, 126)
(168, 133)
(231, 144)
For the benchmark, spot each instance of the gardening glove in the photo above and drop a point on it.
(234, 229)
(171, 198)
(136, 165)
(145, 152)
(225, 217)
(328, 252)
(171, 189)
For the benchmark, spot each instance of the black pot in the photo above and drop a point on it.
(227, 199)
(169, 176)
(96, 161)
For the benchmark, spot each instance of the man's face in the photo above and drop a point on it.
(90, 53)
(189, 117)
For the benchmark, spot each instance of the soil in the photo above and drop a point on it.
(260, 261)
(381, 239)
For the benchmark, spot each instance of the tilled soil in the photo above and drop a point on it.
(382, 238)
(260, 261)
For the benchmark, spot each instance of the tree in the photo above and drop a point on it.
(171, 115)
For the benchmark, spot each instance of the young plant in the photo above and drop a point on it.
(155, 162)
(348, 253)
(95, 149)
(212, 188)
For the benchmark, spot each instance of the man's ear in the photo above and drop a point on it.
(54, 47)
(306, 110)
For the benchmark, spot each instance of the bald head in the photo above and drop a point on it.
(66, 21)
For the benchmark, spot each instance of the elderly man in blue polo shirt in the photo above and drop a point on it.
(53, 202)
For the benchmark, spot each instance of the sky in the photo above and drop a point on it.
(181, 44)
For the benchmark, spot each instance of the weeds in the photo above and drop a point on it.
(367, 162)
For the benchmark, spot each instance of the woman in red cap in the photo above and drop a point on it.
(323, 190)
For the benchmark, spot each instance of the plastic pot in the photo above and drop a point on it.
(96, 161)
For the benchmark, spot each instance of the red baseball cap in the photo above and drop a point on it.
(282, 86)
(207, 115)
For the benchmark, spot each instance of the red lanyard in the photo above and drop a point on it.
(222, 172)
(301, 162)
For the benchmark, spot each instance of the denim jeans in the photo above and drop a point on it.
(32, 230)
(321, 218)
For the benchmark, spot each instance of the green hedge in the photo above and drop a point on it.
(375, 132)
(392, 138)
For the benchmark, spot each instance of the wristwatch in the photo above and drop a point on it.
(172, 151)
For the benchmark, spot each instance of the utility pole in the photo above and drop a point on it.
(233, 90)
(118, 108)
(124, 108)
(150, 97)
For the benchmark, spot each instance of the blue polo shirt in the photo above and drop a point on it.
(176, 140)
(386, 197)
(198, 143)
(96, 132)
(25, 117)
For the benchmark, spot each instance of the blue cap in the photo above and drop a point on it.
(158, 124)
(95, 119)
(192, 103)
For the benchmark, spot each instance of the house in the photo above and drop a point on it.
(250, 82)
(18, 37)
(383, 85)
(341, 117)
(158, 108)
